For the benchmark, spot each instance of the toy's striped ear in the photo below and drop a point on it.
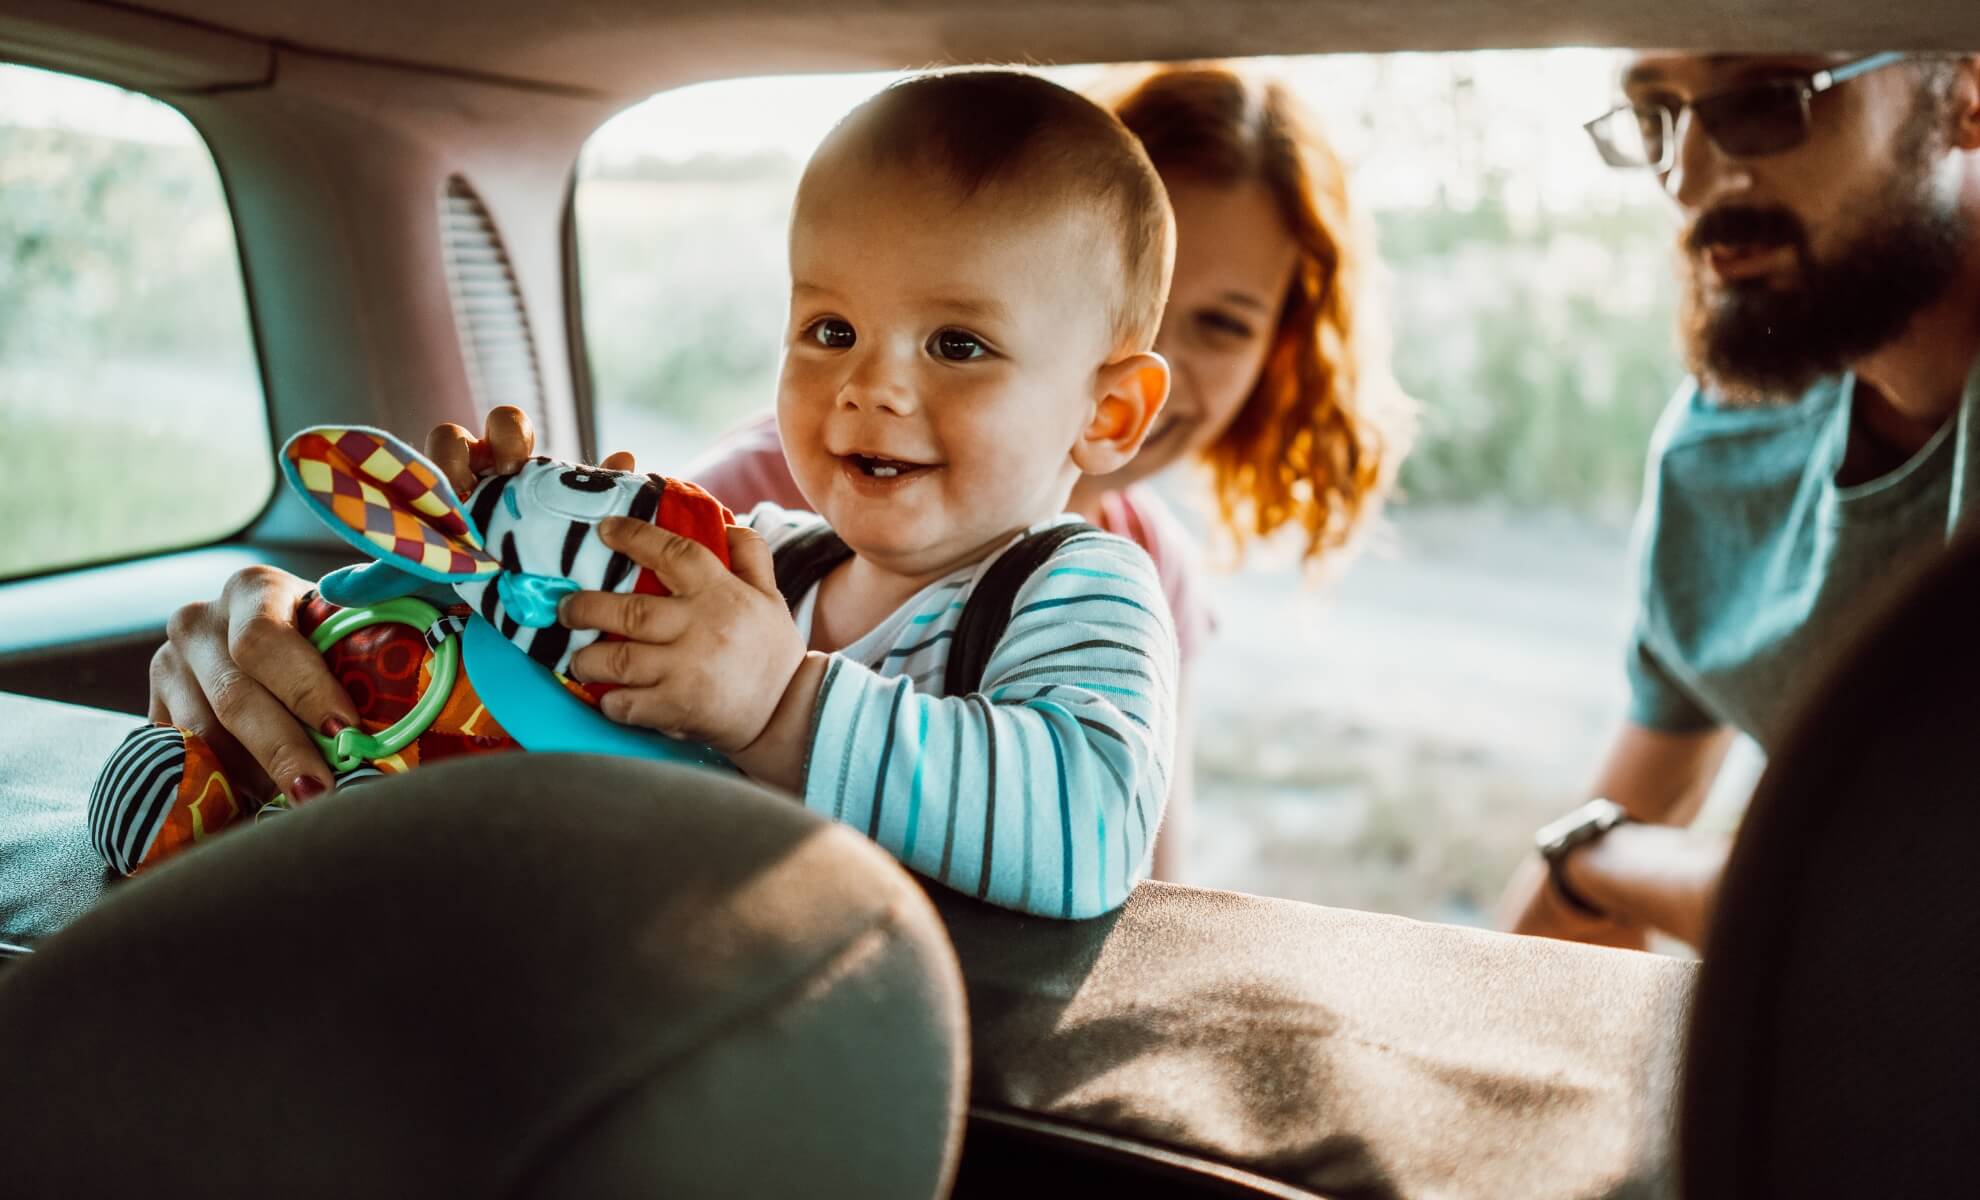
(386, 499)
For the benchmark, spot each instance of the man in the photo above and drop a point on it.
(1830, 256)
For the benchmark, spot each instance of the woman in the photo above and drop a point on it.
(1275, 390)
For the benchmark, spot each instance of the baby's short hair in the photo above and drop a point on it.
(992, 128)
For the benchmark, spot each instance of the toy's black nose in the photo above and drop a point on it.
(588, 479)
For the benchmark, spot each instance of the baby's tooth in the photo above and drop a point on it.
(886, 472)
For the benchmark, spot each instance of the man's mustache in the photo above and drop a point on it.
(1733, 226)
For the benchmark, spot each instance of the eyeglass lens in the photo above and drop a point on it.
(1750, 122)
(1767, 118)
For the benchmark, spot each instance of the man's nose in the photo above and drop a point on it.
(878, 382)
(1700, 171)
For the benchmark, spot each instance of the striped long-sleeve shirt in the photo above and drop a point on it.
(1043, 790)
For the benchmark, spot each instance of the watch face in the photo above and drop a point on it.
(1582, 825)
(1552, 836)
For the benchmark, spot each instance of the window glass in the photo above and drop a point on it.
(1388, 736)
(131, 413)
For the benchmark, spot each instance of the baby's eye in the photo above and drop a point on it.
(832, 333)
(957, 346)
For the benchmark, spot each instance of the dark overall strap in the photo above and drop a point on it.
(988, 612)
(805, 559)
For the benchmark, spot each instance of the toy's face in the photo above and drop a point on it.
(541, 524)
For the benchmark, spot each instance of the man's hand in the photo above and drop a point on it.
(1644, 880)
(1647, 876)
(504, 446)
(1533, 906)
(236, 672)
(710, 663)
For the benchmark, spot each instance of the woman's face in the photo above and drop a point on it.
(1234, 261)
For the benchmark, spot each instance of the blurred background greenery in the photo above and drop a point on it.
(131, 417)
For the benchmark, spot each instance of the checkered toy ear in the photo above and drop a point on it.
(385, 498)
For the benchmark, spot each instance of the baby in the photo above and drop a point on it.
(979, 262)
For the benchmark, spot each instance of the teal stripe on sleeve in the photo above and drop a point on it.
(1065, 818)
(989, 794)
(914, 783)
(886, 756)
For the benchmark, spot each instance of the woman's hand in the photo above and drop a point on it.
(237, 672)
(505, 445)
(711, 662)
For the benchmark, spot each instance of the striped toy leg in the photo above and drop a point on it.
(160, 791)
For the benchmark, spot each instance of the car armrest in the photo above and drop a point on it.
(1344, 1053)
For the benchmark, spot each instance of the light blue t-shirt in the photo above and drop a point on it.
(1753, 565)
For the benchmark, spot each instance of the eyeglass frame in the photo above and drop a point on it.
(1809, 86)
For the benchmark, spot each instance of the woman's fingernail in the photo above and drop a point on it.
(304, 788)
(334, 725)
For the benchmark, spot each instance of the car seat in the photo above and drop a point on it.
(1834, 1047)
(518, 975)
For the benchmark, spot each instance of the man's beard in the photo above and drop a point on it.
(1757, 342)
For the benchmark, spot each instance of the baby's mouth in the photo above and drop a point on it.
(873, 466)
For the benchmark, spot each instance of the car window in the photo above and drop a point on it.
(1390, 735)
(131, 411)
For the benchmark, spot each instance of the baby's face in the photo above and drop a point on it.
(940, 361)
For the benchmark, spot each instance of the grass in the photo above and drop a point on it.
(125, 460)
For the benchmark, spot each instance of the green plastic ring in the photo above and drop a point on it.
(353, 747)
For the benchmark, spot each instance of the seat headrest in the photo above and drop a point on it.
(518, 975)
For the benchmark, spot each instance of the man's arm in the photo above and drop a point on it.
(1644, 878)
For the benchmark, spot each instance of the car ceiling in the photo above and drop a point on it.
(630, 47)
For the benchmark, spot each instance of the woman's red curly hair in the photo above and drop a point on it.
(1316, 443)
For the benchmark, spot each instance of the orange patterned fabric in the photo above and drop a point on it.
(206, 803)
(395, 502)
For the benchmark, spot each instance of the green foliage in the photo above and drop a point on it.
(1541, 356)
(684, 294)
(117, 248)
(131, 416)
(82, 489)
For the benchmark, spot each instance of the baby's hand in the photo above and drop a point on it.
(709, 663)
(505, 445)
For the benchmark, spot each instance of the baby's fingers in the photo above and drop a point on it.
(511, 440)
(649, 708)
(629, 664)
(653, 619)
(452, 450)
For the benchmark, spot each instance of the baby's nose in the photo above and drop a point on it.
(876, 385)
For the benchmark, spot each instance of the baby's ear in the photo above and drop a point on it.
(386, 499)
(1127, 394)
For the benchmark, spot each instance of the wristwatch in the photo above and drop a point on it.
(1560, 837)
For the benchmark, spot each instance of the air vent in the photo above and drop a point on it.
(501, 354)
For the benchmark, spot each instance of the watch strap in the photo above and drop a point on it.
(1557, 874)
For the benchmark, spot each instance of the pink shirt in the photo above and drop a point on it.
(747, 467)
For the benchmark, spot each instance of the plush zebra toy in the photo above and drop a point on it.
(448, 643)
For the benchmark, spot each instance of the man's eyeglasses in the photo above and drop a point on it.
(1743, 122)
